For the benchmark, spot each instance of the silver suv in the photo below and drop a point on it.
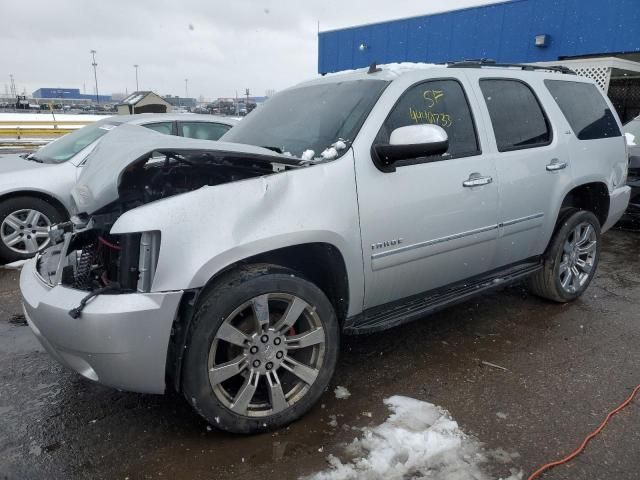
(345, 205)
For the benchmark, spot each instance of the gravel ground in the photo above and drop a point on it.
(566, 367)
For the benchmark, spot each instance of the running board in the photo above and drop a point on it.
(417, 306)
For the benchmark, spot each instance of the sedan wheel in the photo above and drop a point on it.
(25, 231)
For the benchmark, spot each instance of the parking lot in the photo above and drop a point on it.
(564, 368)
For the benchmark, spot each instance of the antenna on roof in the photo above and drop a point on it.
(373, 68)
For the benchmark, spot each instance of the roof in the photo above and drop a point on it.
(135, 97)
(392, 71)
(143, 118)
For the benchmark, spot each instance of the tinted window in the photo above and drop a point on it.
(585, 109)
(439, 102)
(309, 118)
(204, 130)
(516, 115)
(161, 127)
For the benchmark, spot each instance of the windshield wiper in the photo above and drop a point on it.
(33, 158)
(275, 149)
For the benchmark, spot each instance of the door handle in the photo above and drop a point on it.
(556, 165)
(477, 180)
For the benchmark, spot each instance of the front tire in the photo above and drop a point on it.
(571, 259)
(24, 223)
(262, 348)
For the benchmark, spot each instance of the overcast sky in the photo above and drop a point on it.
(220, 46)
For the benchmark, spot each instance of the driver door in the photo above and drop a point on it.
(426, 224)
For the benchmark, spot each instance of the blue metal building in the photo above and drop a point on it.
(513, 31)
(67, 94)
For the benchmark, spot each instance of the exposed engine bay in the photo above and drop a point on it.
(85, 256)
(167, 173)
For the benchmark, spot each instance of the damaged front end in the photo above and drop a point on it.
(85, 256)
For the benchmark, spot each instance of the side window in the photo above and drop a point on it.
(585, 109)
(204, 130)
(516, 115)
(439, 102)
(161, 127)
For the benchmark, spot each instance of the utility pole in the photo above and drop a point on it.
(136, 67)
(246, 92)
(13, 86)
(95, 73)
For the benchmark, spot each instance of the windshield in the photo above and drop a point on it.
(66, 147)
(310, 122)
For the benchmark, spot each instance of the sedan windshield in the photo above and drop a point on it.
(68, 146)
(307, 121)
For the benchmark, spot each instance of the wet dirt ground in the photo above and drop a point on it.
(567, 366)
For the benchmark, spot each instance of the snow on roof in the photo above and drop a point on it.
(134, 98)
(396, 68)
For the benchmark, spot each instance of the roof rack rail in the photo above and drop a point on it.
(486, 62)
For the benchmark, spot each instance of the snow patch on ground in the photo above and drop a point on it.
(342, 393)
(418, 441)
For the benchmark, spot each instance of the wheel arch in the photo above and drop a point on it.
(321, 263)
(592, 196)
(46, 197)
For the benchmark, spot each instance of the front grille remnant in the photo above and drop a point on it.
(82, 278)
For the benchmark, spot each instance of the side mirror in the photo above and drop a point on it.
(413, 141)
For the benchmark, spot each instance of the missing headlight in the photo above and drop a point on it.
(148, 259)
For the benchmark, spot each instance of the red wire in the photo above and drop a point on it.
(108, 244)
(582, 446)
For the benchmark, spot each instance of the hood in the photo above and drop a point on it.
(15, 163)
(97, 185)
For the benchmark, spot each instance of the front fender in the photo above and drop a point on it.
(205, 231)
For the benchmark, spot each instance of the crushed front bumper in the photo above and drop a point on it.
(121, 340)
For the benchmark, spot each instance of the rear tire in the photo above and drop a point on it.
(571, 259)
(253, 328)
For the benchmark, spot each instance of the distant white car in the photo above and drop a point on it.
(35, 188)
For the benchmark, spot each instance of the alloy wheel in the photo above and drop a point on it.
(266, 355)
(578, 257)
(25, 231)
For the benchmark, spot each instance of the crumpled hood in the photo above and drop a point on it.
(98, 183)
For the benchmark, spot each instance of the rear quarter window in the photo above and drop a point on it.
(517, 117)
(585, 109)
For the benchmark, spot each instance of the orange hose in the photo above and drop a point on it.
(582, 446)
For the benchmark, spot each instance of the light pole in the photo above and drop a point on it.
(95, 74)
(136, 67)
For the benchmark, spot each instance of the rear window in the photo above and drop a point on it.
(585, 109)
(516, 115)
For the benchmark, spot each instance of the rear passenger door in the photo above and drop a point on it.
(202, 130)
(532, 162)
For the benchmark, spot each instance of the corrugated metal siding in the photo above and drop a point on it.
(504, 32)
